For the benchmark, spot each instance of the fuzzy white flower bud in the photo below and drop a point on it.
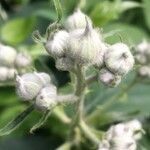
(85, 46)
(119, 59)
(142, 47)
(136, 127)
(77, 21)
(46, 99)
(99, 60)
(123, 142)
(142, 52)
(7, 73)
(104, 145)
(57, 46)
(28, 86)
(23, 60)
(64, 64)
(3, 73)
(141, 59)
(108, 78)
(11, 73)
(7, 55)
(123, 136)
(44, 77)
(144, 71)
(117, 131)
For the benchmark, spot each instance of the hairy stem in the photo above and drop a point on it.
(88, 133)
(80, 93)
(91, 79)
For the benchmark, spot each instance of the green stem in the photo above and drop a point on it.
(65, 146)
(80, 93)
(88, 133)
(41, 122)
(91, 79)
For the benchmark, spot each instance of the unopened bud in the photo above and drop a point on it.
(108, 78)
(28, 86)
(144, 71)
(141, 59)
(85, 46)
(142, 52)
(119, 59)
(136, 127)
(77, 21)
(57, 46)
(7, 55)
(3, 73)
(11, 73)
(104, 145)
(64, 64)
(46, 99)
(44, 77)
(23, 60)
(123, 142)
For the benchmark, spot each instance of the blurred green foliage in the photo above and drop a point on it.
(128, 19)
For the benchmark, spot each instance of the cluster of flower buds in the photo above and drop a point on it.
(123, 136)
(142, 56)
(118, 62)
(37, 86)
(82, 44)
(11, 61)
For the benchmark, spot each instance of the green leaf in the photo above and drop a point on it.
(136, 104)
(58, 9)
(8, 99)
(104, 12)
(130, 34)
(41, 121)
(146, 9)
(129, 5)
(8, 112)
(65, 146)
(17, 30)
(46, 13)
(12, 125)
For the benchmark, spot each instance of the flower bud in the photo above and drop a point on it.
(23, 60)
(77, 21)
(28, 86)
(136, 127)
(142, 47)
(142, 53)
(85, 46)
(123, 142)
(119, 59)
(64, 64)
(3, 73)
(44, 77)
(108, 78)
(104, 145)
(144, 71)
(57, 46)
(46, 99)
(99, 60)
(11, 73)
(141, 59)
(7, 55)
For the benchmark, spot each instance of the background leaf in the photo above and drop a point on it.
(146, 4)
(17, 30)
